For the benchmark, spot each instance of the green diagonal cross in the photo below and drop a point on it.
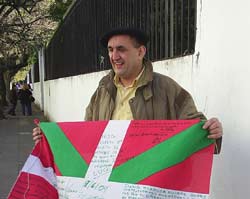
(162, 156)
(66, 157)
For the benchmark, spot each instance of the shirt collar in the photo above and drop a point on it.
(134, 83)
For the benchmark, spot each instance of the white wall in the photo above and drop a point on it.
(217, 75)
(66, 98)
(224, 77)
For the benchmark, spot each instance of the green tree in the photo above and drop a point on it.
(25, 26)
(59, 8)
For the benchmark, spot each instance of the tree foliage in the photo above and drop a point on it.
(58, 9)
(25, 26)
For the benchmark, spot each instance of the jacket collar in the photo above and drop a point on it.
(146, 80)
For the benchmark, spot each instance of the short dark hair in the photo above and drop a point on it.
(139, 35)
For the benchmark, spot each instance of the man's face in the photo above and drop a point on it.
(125, 57)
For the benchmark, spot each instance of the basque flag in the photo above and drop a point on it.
(118, 159)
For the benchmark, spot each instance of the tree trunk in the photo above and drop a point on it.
(7, 79)
(3, 101)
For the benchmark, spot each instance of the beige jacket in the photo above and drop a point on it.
(158, 97)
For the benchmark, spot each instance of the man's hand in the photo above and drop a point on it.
(214, 127)
(37, 134)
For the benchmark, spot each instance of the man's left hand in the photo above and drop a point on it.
(214, 127)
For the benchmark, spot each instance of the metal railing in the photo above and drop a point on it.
(75, 47)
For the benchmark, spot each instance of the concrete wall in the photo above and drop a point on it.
(65, 99)
(217, 76)
(223, 82)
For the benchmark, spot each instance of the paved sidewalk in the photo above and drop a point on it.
(15, 145)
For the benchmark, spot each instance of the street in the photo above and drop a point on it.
(15, 145)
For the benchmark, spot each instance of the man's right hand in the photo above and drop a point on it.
(37, 134)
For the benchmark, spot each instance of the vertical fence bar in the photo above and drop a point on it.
(171, 28)
(175, 27)
(152, 29)
(156, 16)
(161, 28)
(166, 28)
(181, 24)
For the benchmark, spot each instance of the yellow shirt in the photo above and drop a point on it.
(122, 109)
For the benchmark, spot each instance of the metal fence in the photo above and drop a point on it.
(75, 47)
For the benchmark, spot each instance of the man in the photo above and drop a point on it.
(24, 96)
(133, 91)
